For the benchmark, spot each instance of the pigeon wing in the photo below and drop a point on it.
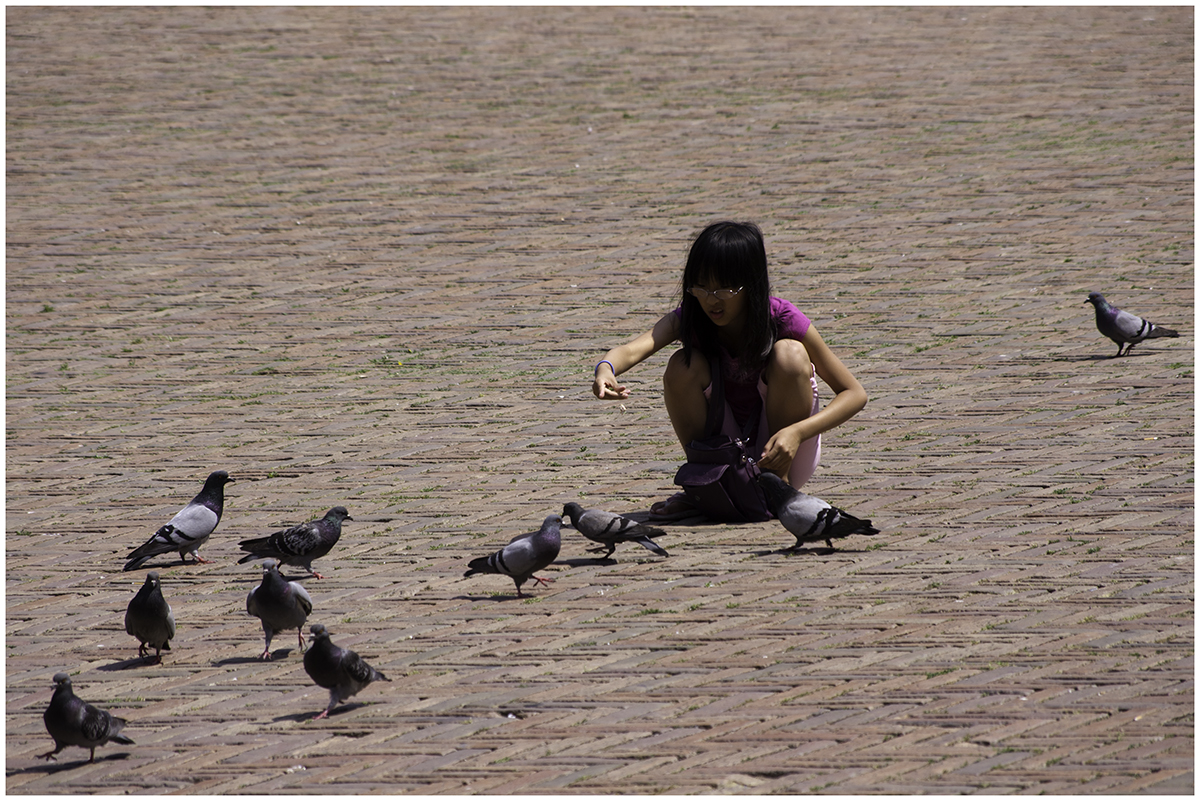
(519, 557)
(302, 597)
(1129, 327)
(97, 725)
(194, 521)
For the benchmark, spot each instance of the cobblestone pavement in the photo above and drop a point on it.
(369, 256)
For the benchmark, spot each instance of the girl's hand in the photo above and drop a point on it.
(605, 387)
(780, 450)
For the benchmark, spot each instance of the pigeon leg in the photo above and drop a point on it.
(333, 700)
(315, 574)
(93, 759)
(142, 650)
(300, 631)
(51, 754)
(543, 581)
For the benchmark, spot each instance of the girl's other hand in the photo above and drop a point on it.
(605, 387)
(779, 452)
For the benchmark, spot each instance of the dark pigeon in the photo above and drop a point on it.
(609, 529)
(280, 605)
(148, 617)
(300, 545)
(1122, 327)
(523, 556)
(809, 518)
(189, 529)
(70, 721)
(339, 670)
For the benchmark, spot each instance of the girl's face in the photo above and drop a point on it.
(724, 305)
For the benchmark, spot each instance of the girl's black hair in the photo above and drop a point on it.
(729, 254)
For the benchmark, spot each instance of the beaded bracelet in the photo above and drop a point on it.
(596, 371)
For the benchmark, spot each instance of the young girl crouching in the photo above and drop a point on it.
(769, 352)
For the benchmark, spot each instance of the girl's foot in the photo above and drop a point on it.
(677, 507)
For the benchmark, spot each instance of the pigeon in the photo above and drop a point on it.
(300, 545)
(70, 721)
(809, 518)
(609, 529)
(1122, 327)
(189, 529)
(339, 670)
(524, 555)
(280, 604)
(149, 618)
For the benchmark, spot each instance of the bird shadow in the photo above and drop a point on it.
(799, 550)
(497, 597)
(51, 767)
(1095, 357)
(587, 561)
(278, 653)
(127, 664)
(306, 717)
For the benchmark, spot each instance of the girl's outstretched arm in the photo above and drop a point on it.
(623, 357)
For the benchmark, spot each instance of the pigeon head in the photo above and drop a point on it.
(573, 512)
(269, 565)
(217, 478)
(319, 631)
(1096, 299)
(338, 513)
(777, 491)
(62, 680)
(152, 579)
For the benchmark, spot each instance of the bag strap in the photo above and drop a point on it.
(716, 398)
(716, 405)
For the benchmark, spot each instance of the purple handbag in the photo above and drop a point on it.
(720, 475)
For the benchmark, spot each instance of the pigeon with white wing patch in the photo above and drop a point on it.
(1122, 327)
(190, 527)
(809, 518)
(523, 556)
(610, 529)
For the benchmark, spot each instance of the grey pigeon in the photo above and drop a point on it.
(524, 555)
(148, 617)
(339, 670)
(300, 545)
(70, 721)
(1122, 327)
(189, 529)
(609, 529)
(280, 605)
(809, 518)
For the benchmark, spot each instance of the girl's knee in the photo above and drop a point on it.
(789, 357)
(682, 375)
